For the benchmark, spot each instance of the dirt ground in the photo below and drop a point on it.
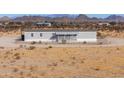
(62, 62)
(73, 60)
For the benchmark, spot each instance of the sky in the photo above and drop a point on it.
(90, 15)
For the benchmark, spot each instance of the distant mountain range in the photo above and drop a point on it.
(63, 18)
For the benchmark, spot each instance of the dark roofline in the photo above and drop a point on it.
(58, 30)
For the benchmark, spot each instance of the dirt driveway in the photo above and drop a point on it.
(7, 41)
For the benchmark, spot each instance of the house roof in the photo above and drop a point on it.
(59, 30)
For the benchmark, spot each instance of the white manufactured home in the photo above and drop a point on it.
(60, 36)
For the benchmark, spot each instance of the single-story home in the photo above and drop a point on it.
(60, 36)
(106, 24)
(43, 24)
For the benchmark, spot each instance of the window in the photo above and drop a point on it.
(32, 34)
(40, 34)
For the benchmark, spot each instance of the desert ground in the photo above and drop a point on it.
(81, 61)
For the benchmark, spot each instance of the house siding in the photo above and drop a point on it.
(88, 36)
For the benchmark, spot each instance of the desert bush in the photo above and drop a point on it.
(50, 47)
(31, 47)
(1, 47)
(61, 60)
(99, 34)
(63, 41)
(54, 64)
(117, 48)
(17, 56)
(100, 43)
(15, 70)
(33, 42)
(73, 63)
(21, 73)
(82, 61)
(40, 42)
(84, 42)
(22, 46)
(96, 69)
(4, 66)
(73, 58)
(33, 68)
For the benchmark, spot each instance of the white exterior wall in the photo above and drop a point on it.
(88, 36)
(45, 36)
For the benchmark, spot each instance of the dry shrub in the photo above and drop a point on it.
(17, 56)
(73, 58)
(84, 42)
(40, 42)
(29, 74)
(4, 66)
(82, 61)
(100, 43)
(15, 70)
(50, 47)
(73, 63)
(8, 52)
(117, 48)
(42, 74)
(22, 46)
(61, 60)
(1, 47)
(96, 69)
(33, 68)
(5, 56)
(21, 73)
(108, 52)
(99, 34)
(33, 42)
(31, 47)
(53, 64)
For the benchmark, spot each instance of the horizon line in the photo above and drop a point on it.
(53, 15)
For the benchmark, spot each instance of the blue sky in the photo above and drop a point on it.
(90, 15)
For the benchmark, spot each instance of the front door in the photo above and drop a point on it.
(61, 39)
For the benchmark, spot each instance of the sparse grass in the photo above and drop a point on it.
(89, 61)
